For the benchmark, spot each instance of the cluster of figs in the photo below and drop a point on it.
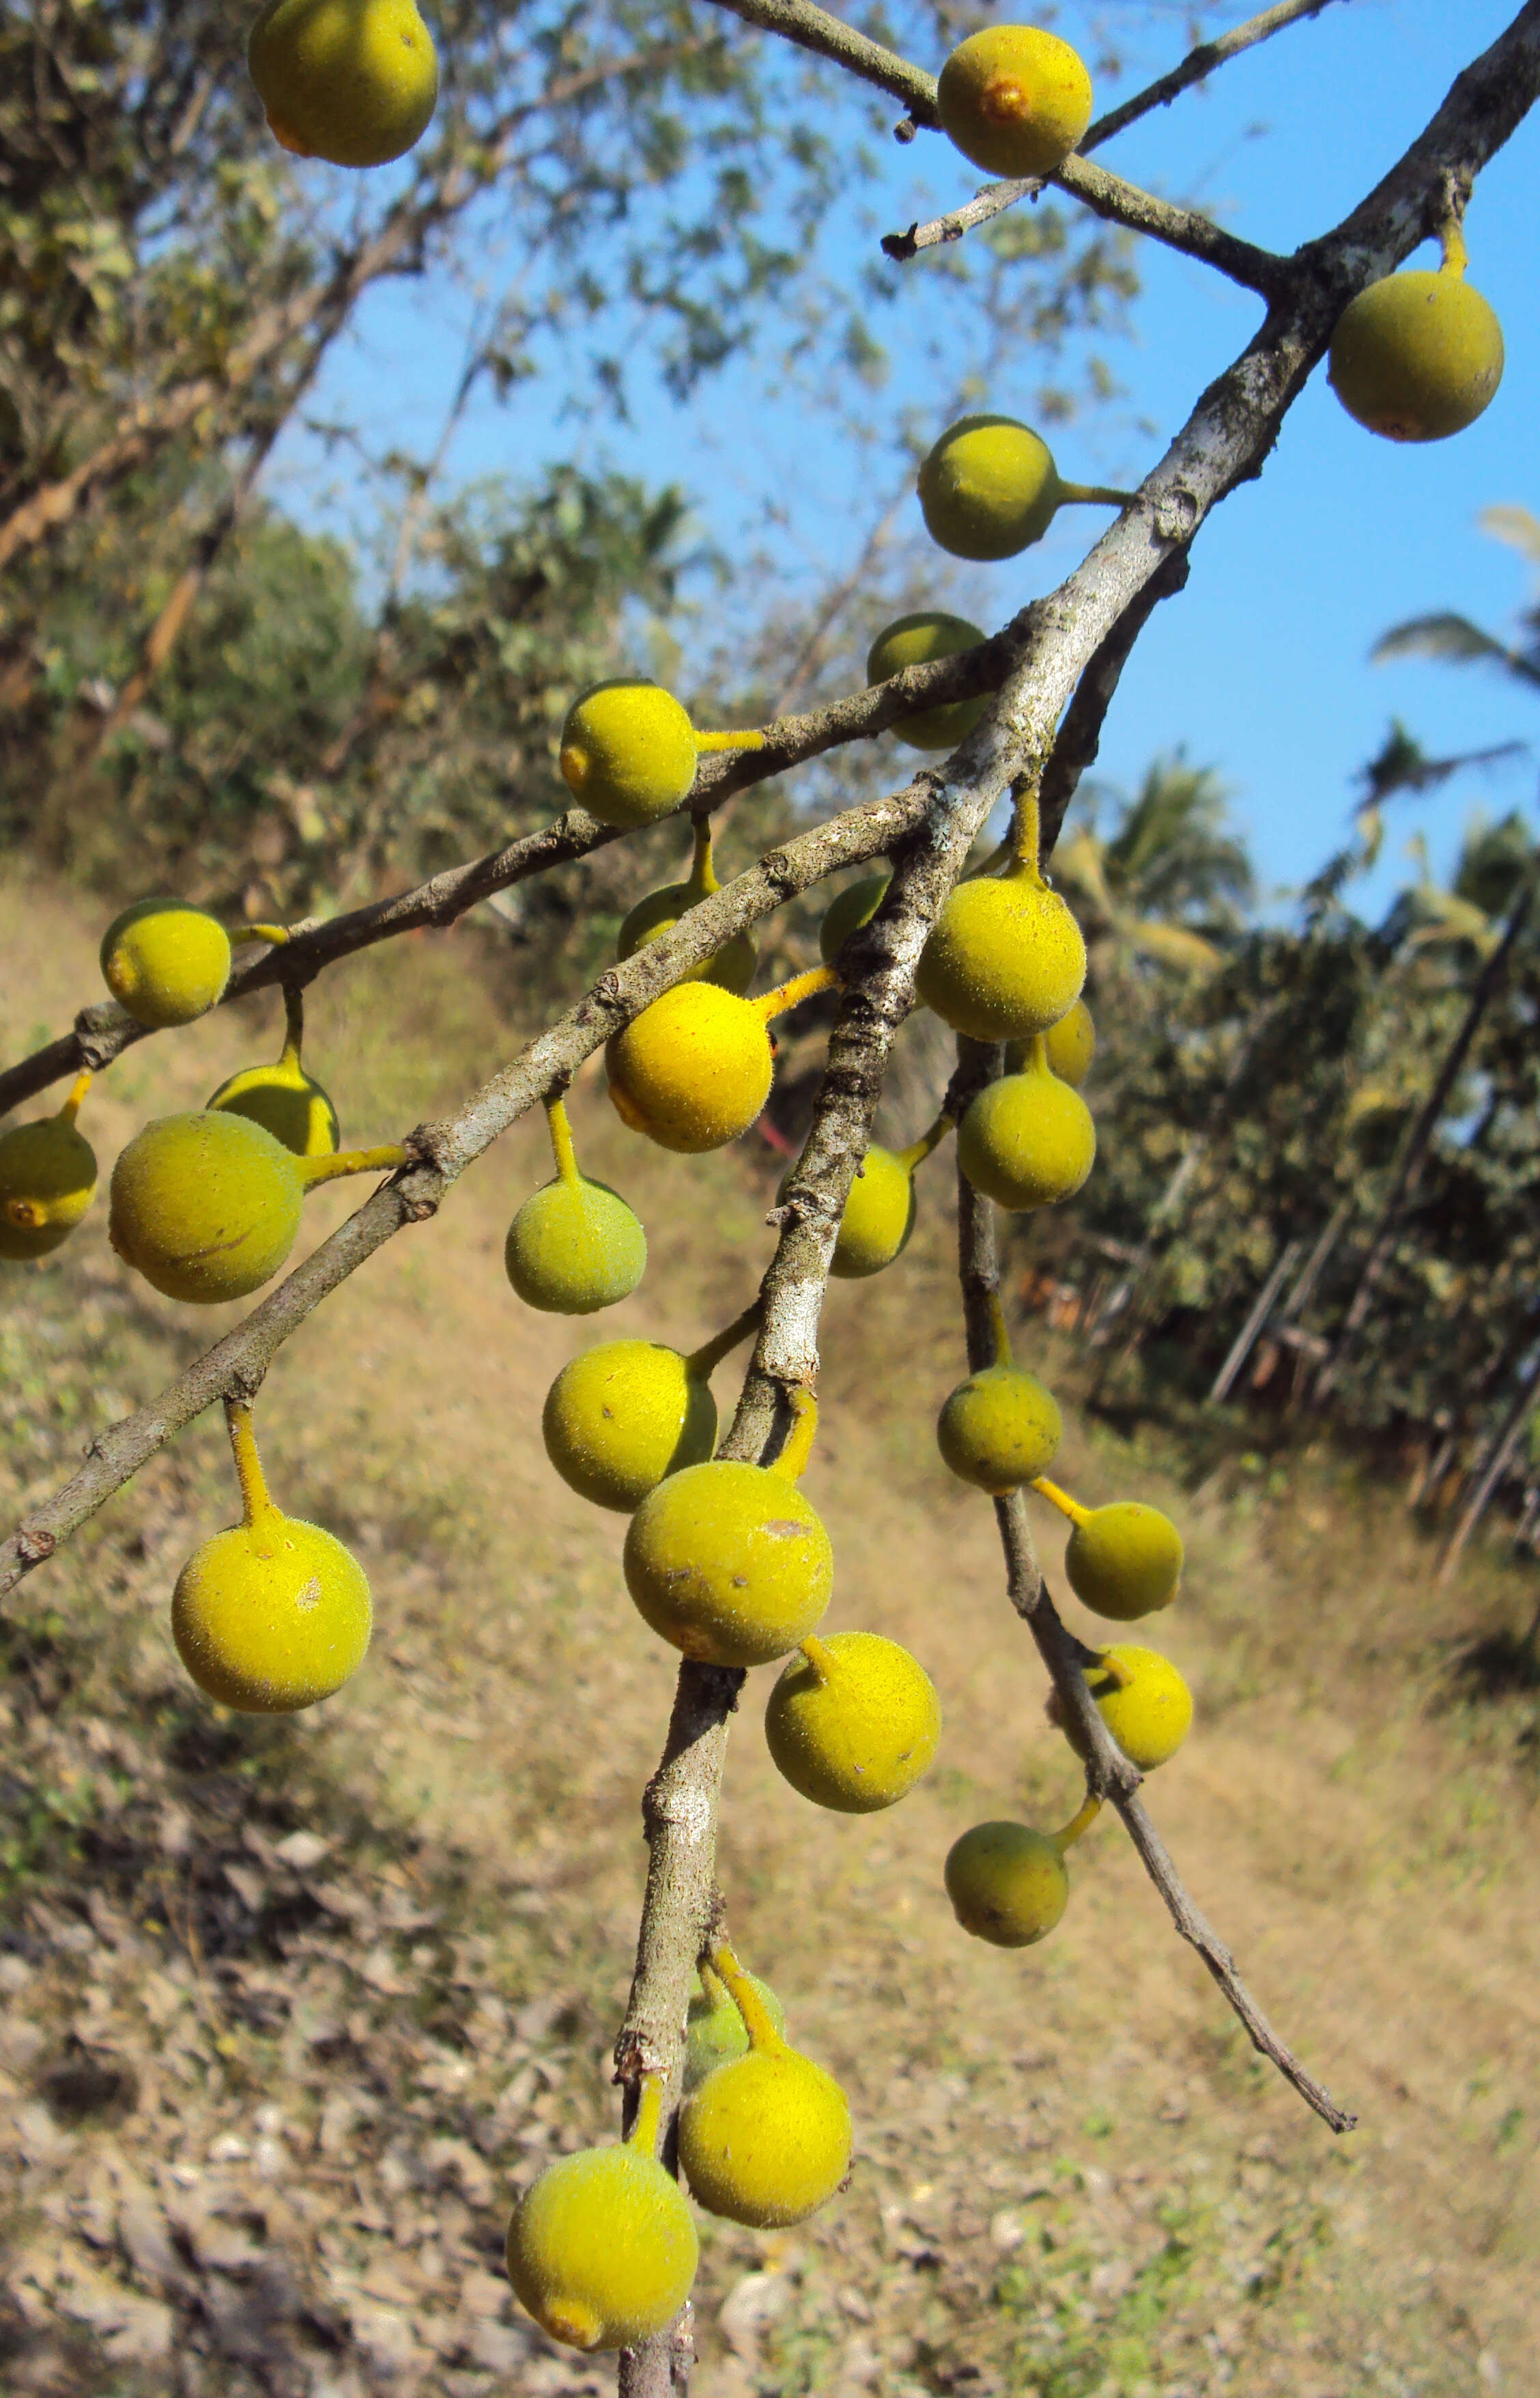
(728, 1562)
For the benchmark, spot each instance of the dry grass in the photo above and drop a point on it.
(291, 2009)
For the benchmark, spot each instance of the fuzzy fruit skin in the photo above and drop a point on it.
(206, 1206)
(572, 1250)
(766, 2140)
(627, 752)
(622, 1416)
(848, 910)
(286, 1102)
(1125, 1561)
(1000, 1429)
(732, 966)
(166, 963)
(602, 2248)
(1005, 959)
(917, 640)
(1008, 1885)
(354, 81)
(715, 2032)
(693, 1071)
(729, 1562)
(1417, 357)
(47, 1180)
(1151, 1715)
(1014, 100)
(1070, 1044)
(988, 488)
(271, 1616)
(1027, 1142)
(859, 1735)
(879, 1218)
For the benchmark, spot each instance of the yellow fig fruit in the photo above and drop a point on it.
(602, 2249)
(622, 1416)
(273, 1614)
(47, 1180)
(848, 910)
(989, 489)
(283, 1099)
(1014, 100)
(853, 1721)
(1007, 1884)
(917, 640)
(354, 81)
(1418, 355)
(766, 2140)
(729, 1561)
(574, 1247)
(880, 1212)
(1027, 1140)
(1143, 1702)
(1123, 1560)
(693, 1071)
(165, 962)
(1000, 1429)
(1005, 958)
(732, 965)
(1069, 1046)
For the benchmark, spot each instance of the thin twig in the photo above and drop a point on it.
(1200, 62)
(1108, 1773)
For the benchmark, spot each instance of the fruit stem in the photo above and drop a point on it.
(1452, 241)
(819, 1656)
(1036, 1060)
(1099, 493)
(643, 2134)
(70, 1107)
(561, 1141)
(745, 1998)
(1026, 829)
(792, 1463)
(1110, 1671)
(705, 741)
(1062, 1499)
(294, 1024)
(312, 1170)
(791, 994)
(704, 1362)
(276, 934)
(999, 1332)
(256, 1501)
(1080, 1822)
(919, 1151)
(701, 881)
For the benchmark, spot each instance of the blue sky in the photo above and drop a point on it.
(1261, 669)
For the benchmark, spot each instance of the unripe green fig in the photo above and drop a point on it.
(1014, 100)
(714, 2031)
(628, 751)
(1027, 1140)
(1007, 1884)
(848, 910)
(602, 2248)
(853, 1721)
(622, 1416)
(574, 1247)
(47, 1180)
(766, 2140)
(165, 962)
(1418, 355)
(273, 1614)
(1124, 1560)
(1069, 1046)
(1141, 1698)
(283, 1099)
(917, 640)
(729, 1561)
(1000, 1429)
(693, 1071)
(732, 965)
(354, 81)
(207, 1207)
(989, 487)
(1005, 958)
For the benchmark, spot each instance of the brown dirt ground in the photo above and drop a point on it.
(291, 2009)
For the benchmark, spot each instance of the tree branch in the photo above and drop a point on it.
(1108, 1773)
(1198, 65)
